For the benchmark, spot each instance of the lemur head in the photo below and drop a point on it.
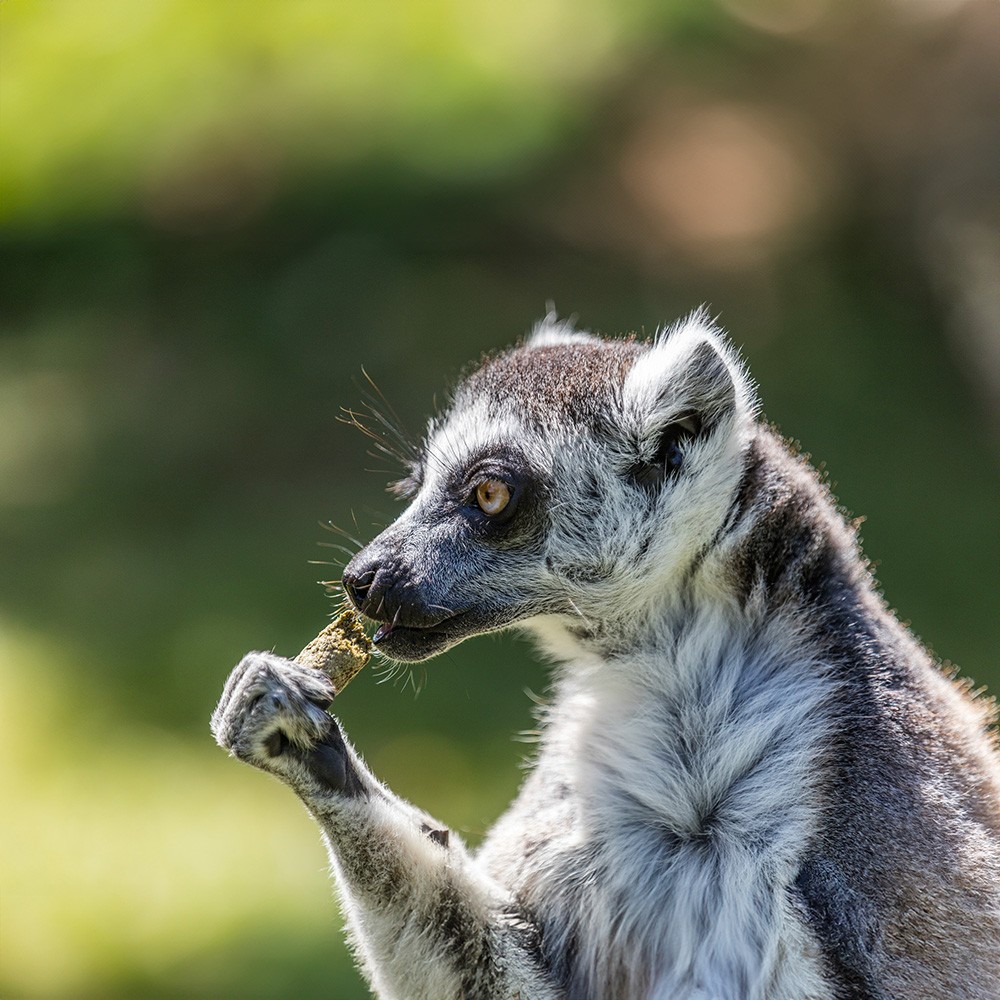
(570, 487)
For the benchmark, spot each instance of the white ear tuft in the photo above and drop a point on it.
(551, 331)
(691, 368)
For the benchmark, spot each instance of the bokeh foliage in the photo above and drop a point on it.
(215, 215)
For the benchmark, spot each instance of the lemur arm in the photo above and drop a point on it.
(427, 923)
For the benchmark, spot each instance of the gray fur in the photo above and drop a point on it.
(751, 782)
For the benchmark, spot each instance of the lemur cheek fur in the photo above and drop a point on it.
(751, 781)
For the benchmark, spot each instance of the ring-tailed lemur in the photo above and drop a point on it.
(752, 783)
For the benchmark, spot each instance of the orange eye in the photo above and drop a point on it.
(492, 495)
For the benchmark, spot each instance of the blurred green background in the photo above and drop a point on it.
(215, 213)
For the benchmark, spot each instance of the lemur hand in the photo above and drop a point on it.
(272, 715)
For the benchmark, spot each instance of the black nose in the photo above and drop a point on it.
(358, 585)
(383, 588)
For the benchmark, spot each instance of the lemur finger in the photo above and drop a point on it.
(236, 675)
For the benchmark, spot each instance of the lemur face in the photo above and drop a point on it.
(571, 480)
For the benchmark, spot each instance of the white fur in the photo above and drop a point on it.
(721, 711)
(552, 331)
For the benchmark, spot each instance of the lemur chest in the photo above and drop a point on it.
(656, 841)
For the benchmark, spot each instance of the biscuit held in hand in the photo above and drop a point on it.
(339, 651)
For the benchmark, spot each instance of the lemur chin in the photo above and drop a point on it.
(752, 783)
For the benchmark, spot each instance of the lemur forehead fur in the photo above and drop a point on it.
(549, 384)
(751, 782)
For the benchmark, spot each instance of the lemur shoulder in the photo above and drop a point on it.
(752, 783)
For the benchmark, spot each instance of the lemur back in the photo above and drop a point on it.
(751, 782)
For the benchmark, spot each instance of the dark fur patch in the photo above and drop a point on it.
(708, 383)
(440, 837)
(329, 761)
(556, 384)
(666, 463)
(798, 550)
(846, 926)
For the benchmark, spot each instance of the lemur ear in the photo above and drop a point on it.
(551, 331)
(691, 378)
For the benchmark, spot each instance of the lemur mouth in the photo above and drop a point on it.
(388, 629)
(412, 642)
(418, 642)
